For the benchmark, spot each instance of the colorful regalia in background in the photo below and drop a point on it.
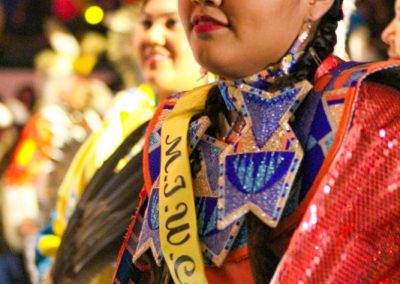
(92, 191)
(72, 106)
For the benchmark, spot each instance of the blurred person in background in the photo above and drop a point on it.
(72, 106)
(97, 197)
(391, 34)
(120, 25)
(14, 112)
(27, 96)
(367, 23)
(11, 264)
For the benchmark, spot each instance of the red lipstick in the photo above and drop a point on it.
(206, 24)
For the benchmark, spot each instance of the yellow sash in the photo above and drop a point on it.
(178, 226)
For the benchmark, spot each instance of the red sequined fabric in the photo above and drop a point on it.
(350, 232)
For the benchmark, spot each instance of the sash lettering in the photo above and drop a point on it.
(186, 261)
(173, 155)
(178, 229)
(178, 222)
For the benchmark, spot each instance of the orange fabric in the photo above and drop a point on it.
(36, 130)
(232, 272)
(321, 84)
(345, 76)
(238, 254)
(146, 167)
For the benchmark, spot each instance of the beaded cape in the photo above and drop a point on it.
(330, 105)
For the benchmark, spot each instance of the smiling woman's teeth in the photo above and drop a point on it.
(154, 58)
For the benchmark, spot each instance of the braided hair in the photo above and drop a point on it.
(322, 44)
(263, 260)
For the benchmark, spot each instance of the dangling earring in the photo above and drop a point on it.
(290, 59)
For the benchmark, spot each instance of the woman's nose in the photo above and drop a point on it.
(156, 35)
(389, 33)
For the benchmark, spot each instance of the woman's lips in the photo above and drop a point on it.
(206, 24)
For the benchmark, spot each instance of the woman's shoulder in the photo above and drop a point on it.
(335, 73)
(360, 86)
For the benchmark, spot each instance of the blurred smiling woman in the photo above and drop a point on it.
(164, 55)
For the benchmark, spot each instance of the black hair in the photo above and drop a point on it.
(322, 44)
(263, 260)
(105, 207)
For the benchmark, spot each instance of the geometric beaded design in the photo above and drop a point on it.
(257, 172)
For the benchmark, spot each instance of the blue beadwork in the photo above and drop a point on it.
(153, 214)
(263, 126)
(255, 172)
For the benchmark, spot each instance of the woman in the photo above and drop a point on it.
(97, 183)
(280, 153)
(47, 141)
(391, 34)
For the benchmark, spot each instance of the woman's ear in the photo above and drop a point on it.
(318, 8)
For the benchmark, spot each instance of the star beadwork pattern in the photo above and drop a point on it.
(258, 177)
(150, 234)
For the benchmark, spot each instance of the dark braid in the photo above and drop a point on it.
(262, 259)
(323, 44)
(214, 106)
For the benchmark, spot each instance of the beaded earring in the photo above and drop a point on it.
(290, 59)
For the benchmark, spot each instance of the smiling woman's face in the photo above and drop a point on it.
(237, 38)
(163, 52)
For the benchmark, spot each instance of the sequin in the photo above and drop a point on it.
(358, 233)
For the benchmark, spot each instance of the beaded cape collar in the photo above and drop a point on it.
(254, 173)
(257, 171)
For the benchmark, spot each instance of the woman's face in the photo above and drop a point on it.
(163, 52)
(391, 35)
(238, 38)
